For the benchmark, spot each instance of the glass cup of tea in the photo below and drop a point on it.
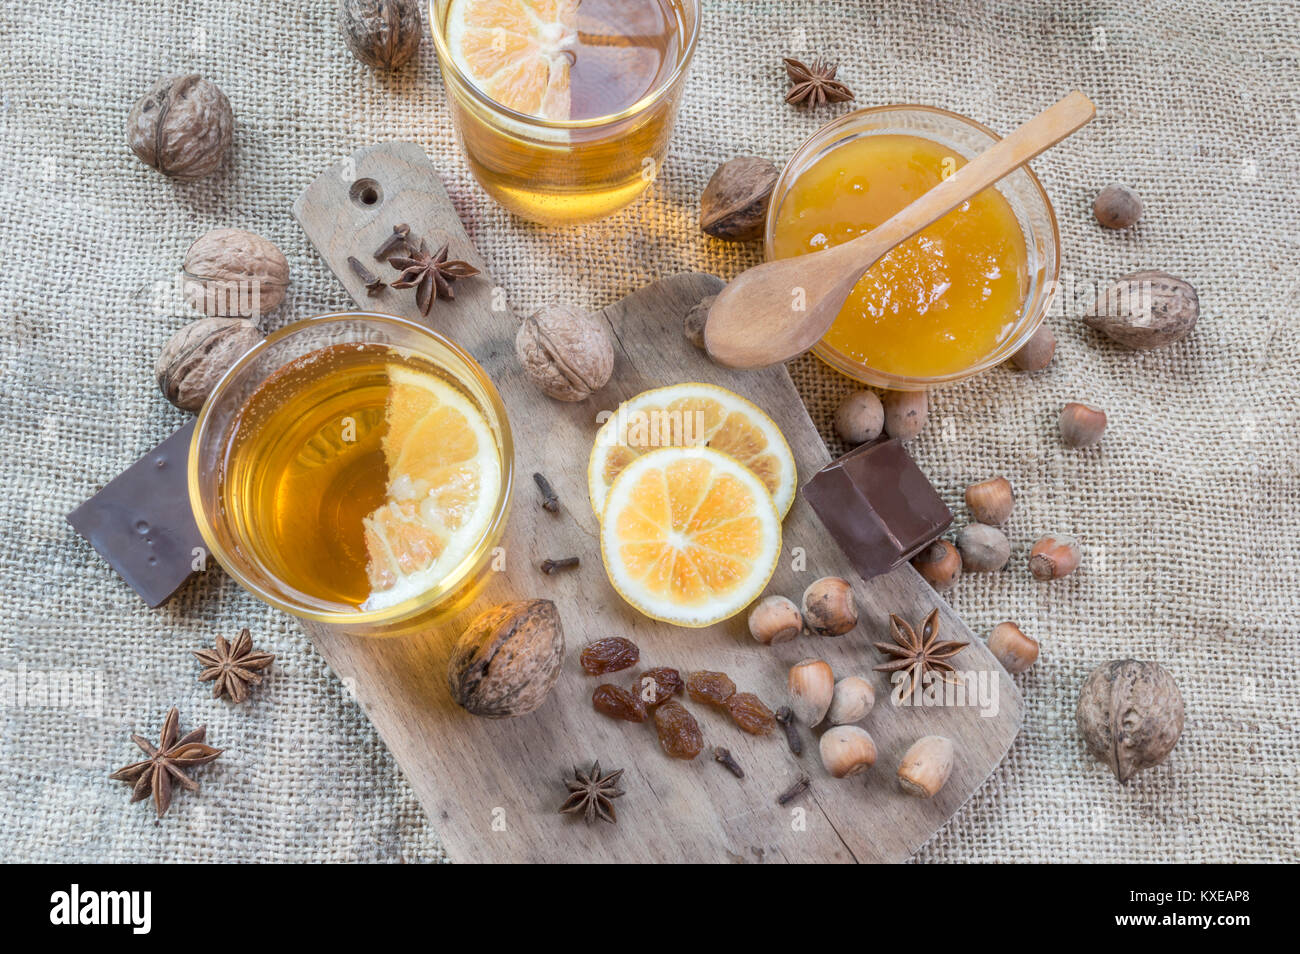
(355, 470)
(564, 108)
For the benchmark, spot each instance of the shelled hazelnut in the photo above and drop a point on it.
(811, 686)
(1117, 207)
(984, 549)
(775, 619)
(1081, 425)
(926, 766)
(851, 700)
(1011, 647)
(939, 564)
(860, 417)
(1054, 556)
(847, 750)
(990, 501)
(905, 413)
(1036, 353)
(829, 608)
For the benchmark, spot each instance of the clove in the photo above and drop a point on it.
(550, 566)
(398, 240)
(374, 285)
(785, 716)
(724, 758)
(794, 791)
(550, 502)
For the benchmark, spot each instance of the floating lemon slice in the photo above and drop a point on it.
(518, 52)
(689, 536)
(685, 415)
(444, 476)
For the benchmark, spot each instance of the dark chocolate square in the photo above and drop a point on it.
(142, 524)
(878, 506)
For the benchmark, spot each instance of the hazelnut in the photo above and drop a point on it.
(734, 204)
(1036, 353)
(1054, 556)
(182, 127)
(939, 564)
(1130, 715)
(1145, 310)
(566, 352)
(990, 501)
(1081, 425)
(905, 413)
(829, 608)
(860, 417)
(1011, 647)
(811, 685)
(696, 318)
(847, 750)
(230, 273)
(1117, 207)
(775, 619)
(507, 660)
(383, 34)
(852, 699)
(926, 766)
(195, 358)
(984, 549)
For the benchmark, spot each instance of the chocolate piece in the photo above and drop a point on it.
(878, 506)
(142, 524)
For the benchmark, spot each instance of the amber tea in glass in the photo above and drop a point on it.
(354, 468)
(564, 107)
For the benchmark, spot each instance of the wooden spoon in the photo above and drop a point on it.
(778, 310)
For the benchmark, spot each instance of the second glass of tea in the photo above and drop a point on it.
(564, 107)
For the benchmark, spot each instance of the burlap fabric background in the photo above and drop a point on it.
(1190, 508)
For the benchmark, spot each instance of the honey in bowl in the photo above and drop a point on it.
(939, 303)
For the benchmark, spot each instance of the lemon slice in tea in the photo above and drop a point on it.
(518, 52)
(690, 536)
(444, 476)
(684, 415)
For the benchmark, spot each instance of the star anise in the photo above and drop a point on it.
(918, 655)
(233, 667)
(814, 85)
(430, 275)
(155, 774)
(592, 794)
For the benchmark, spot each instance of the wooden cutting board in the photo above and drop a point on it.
(492, 788)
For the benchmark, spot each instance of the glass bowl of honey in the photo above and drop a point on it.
(953, 301)
(355, 470)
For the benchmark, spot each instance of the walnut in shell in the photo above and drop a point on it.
(1145, 310)
(507, 661)
(196, 357)
(566, 352)
(230, 273)
(1130, 715)
(734, 204)
(383, 34)
(182, 127)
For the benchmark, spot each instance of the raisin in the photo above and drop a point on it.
(678, 731)
(750, 714)
(618, 703)
(714, 688)
(609, 655)
(658, 685)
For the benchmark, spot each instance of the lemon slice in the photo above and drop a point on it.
(692, 415)
(444, 476)
(518, 52)
(689, 535)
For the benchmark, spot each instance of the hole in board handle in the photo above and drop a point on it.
(366, 193)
